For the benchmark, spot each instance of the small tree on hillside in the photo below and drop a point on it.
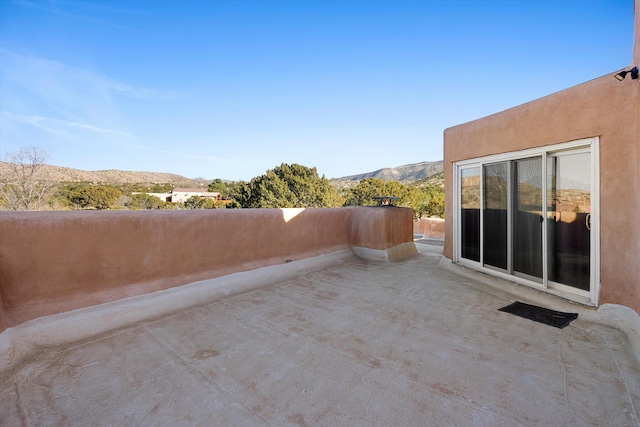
(197, 202)
(95, 196)
(144, 201)
(23, 185)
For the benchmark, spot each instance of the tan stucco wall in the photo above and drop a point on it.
(636, 41)
(372, 228)
(432, 228)
(603, 107)
(51, 262)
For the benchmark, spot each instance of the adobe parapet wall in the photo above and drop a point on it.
(51, 262)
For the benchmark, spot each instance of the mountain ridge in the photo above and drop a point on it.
(406, 174)
(109, 176)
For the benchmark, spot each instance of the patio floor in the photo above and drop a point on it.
(351, 343)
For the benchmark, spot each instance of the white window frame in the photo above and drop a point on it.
(592, 145)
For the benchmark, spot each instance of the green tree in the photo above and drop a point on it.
(226, 189)
(430, 202)
(62, 196)
(147, 188)
(161, 188)
(363, 193)
(287, 186)
(425, 201)
(218, 186)
(95, 196)
(197, 202)
(144, 201)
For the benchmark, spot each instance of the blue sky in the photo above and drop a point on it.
(229, 89)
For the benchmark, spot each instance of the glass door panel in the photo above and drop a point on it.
(470, 213)
(494, 215)
(527, 218)
(569, 219)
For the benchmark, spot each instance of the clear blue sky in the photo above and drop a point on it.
(228, 89)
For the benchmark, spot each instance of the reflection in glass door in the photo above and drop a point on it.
(470, 213)
(527, 219)
(569, 218)
(495, 195)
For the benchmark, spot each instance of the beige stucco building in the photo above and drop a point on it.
(181, 195)
(546, 193)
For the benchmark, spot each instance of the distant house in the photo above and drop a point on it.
(181, 195)
(165, 197)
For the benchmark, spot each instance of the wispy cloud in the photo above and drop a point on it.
(60, 98)
(75, 105)
(58, 127)
(57, 81)
(140, 92)
(82, 12)
(67, 129)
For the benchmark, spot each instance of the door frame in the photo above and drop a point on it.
(591, 145)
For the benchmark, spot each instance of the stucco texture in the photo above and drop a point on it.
(51, 262)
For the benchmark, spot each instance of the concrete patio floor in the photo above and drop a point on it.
(337, 341)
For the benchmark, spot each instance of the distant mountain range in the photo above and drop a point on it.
(64, 174)
(406, 174)
(427, 171)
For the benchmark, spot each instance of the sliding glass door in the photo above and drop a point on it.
(529, 217)
(569, 218)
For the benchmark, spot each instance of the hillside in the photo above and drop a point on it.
(63, 174)
(424, 173)
(433, 180)
(405, 174)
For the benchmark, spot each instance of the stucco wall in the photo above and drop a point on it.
(603, 107)
(51, 262)
(431, 228)
(372, 228)
(636, 41)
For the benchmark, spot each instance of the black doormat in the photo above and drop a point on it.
(557, 319)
